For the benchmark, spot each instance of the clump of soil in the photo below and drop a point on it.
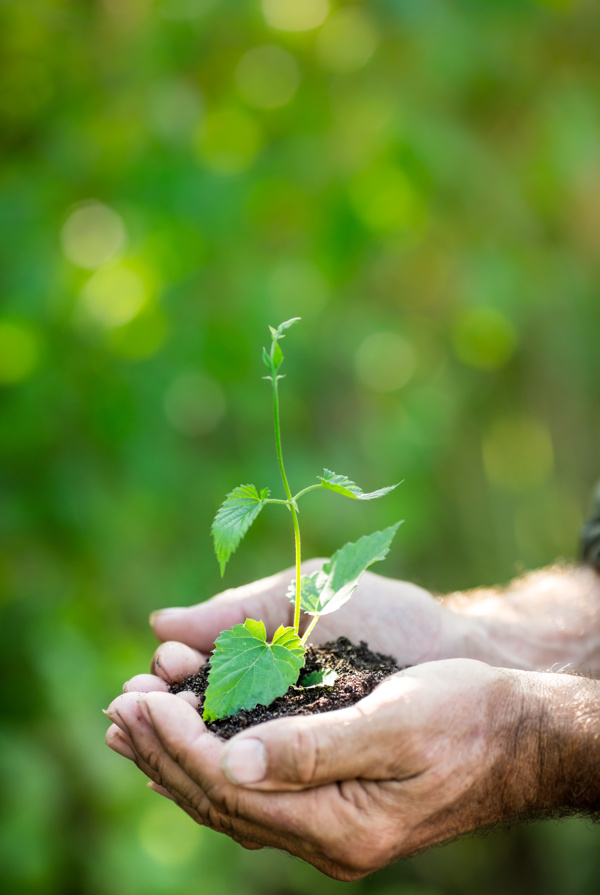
(358, 672)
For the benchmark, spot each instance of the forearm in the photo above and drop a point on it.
(564, 774)
(547, 620)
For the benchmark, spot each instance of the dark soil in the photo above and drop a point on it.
(358, 672)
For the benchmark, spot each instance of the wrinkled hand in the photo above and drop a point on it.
(430, 754)
(394, 617)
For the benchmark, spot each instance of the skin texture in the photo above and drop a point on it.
(476, 734)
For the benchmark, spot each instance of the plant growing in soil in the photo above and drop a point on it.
(246, 670)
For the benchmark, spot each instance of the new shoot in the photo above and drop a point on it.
(246, 670)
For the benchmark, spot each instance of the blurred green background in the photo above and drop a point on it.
(420, 182)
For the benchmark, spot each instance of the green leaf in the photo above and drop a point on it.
(234, 517)
(325, 677)
(277, 356)
(342, 485)
(273, 359)
(325, 591)
(246, 671)
(277, 334)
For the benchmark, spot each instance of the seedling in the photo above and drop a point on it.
(246, 670)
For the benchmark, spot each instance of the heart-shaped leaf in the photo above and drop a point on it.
(246, 671)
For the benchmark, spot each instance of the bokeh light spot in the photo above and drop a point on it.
(93, 235)
(385, 199)
(484, 338)
(347, 40)
(517, 453)
(295, 15)
(267, 77)
(114, 295)
(175, 108)
(229, 141)
(168, 837)
(385, 362)
(194, 404)
(141, 337)
(19, 351)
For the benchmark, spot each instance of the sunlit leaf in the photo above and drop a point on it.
(324, 677)
(246, 671)
(328, 589)
(343, 485)
(234, 517)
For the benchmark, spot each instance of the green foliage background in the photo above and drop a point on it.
(420, 181)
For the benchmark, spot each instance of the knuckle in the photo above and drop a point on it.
(372, 845)
(223, 799)
(370, 856)
(210, 811)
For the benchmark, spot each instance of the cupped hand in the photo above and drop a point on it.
(429, 755)
(394, 617)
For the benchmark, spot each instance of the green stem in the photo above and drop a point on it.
(306, 490)
(309, 629)
(290, 502)
(284, 503)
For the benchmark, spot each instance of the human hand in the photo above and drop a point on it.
(394, 617)
(435, 751)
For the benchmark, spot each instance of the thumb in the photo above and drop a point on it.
(362, 741)
(199, 626)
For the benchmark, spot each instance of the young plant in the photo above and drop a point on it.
(246, 670)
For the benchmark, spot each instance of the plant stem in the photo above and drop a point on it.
(290, 502)
(314, 621)
(306, 490)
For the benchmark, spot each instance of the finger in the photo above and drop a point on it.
(160, 790)
(119, 742)
(200, 625)
(125, 713)
(145, 683)
(186, 735)
(185, 739)
(173, 661)
(312, 824)
(364, 741)
(189, 697)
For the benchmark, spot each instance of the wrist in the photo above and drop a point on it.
(549, 618)
(562, 713)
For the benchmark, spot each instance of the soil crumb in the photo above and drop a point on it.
(358, 671)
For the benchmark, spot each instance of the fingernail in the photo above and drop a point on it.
(172, 610)
(160, 671)
(160, 790)
(144, 711)
(245, 762)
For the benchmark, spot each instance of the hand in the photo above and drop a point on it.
(433, 752)
(394, 617)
